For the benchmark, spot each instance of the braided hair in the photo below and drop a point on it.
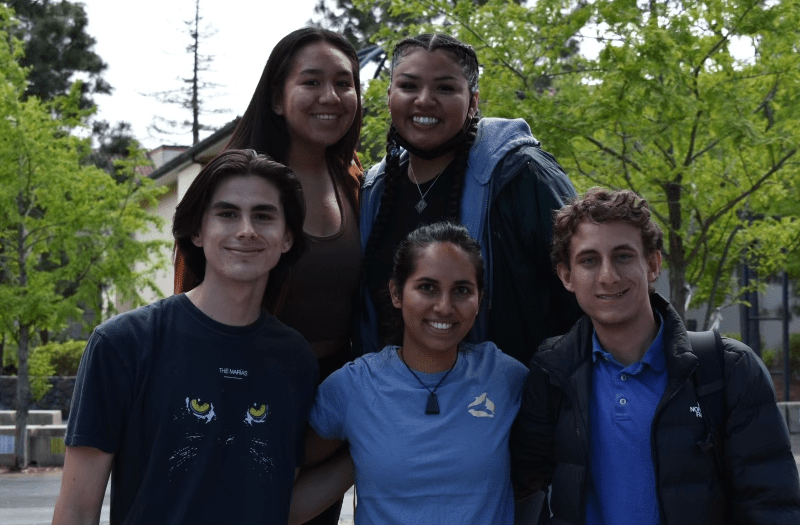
(464, 55)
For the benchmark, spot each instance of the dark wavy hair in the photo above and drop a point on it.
(405, 261)
(263, 130)
(600, 206)
(465, 57)
(188, 217)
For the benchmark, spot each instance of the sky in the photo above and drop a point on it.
(144, 44)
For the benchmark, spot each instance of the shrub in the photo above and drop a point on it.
(770, 358)
(794, 356)
(60, 359)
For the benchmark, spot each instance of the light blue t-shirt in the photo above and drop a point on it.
(416, 468)
(624, 401)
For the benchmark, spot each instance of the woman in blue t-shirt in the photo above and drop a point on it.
(428, 419)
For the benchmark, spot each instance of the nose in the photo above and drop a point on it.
(443, 304)
(424, 97)
(608, 272)
(328, 94)
(246, 229)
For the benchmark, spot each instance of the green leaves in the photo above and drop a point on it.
(694, 105)
(67, 230)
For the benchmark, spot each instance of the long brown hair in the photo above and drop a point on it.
(263, 130)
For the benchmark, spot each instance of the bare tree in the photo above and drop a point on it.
(191, 95)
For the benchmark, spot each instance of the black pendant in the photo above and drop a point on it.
(433, 405)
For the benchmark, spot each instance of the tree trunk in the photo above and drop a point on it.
(23, 401)
(195, 74)
(677, 252)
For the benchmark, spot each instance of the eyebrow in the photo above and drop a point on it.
(614, 249)
(434, 281)
(437, 79)
(341, 72)
(224, 205)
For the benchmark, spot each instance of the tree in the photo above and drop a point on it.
(359, 22)
(66, 229)
(189, 97)
(113, 143)
(57, 47)
(666, 109)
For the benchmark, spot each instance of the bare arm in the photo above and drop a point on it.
(321, 484)
(83, 485)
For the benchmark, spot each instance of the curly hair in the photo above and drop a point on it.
(600, 206)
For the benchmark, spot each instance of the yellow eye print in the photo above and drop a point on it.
(258, 412)
(199, 407)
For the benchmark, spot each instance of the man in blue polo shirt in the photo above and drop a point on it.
(611, 415)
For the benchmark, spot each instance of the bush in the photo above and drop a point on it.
(776, 356)
(53, 359)
(770, 358)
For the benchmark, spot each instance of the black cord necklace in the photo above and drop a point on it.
(432, 407)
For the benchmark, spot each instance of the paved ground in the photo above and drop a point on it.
(28, 498)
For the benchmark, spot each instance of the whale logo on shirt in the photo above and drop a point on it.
(484, 403)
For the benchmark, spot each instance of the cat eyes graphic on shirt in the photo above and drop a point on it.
(229, 430)
(255, 413)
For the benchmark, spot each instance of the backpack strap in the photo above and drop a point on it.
(709, 383)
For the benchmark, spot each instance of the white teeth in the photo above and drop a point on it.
(326, 117)
(426, 121)
(441, 326)
(611, 296)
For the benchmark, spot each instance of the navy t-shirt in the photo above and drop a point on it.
(206, 420)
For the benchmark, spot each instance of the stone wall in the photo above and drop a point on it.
(57, 398)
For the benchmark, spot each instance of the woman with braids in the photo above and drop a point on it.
(427, 419)
(306, 113)
(442, 161)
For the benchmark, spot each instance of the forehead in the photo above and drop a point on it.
(419, 62)
(445, 262)
(605, 237)
(321, 56)
(246, 191)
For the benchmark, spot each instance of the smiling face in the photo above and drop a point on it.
(609, 274)
(439, 302)
(243, 232)
(429, 98)
(319, 98)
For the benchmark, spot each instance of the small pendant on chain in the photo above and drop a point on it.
(433, 405)
(421, 205)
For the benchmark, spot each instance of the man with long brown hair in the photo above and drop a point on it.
(198, 402)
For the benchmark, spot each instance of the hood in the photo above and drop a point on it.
(495, 138)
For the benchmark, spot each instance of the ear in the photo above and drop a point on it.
(288, 241)
(653, 266)
(565, 275)
(277, 105)
(397, 300)
(197, 240)
(389, 97)
(473, 104)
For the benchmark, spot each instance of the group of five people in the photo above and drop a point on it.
(439, 274)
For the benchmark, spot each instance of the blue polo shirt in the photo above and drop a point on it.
(622, 484)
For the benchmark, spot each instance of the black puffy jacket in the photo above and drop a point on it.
(550, 441)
